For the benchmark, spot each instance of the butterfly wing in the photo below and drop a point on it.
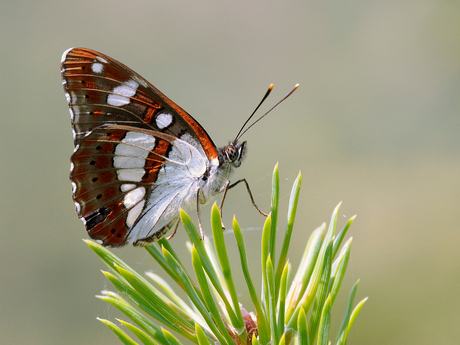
(136, 152)
(129, 183)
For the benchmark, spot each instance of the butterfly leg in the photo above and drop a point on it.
(175, 229)
(224, 194)
(228, 186)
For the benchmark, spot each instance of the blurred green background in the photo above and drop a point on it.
(375, 124)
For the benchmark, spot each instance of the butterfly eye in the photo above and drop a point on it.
(232, 152)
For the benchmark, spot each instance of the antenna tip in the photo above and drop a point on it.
(296, 86)
(271, 87)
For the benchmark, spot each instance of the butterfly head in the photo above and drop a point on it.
(233, 154)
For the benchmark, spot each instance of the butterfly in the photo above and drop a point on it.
(138, 156)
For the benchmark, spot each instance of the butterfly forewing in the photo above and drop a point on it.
(134, 150)
(101, 90)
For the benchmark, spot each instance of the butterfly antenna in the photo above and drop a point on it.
(270, 88)
(240, 134)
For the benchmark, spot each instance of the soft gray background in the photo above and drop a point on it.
(375, 124)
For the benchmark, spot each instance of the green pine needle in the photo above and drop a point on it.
(287, 310)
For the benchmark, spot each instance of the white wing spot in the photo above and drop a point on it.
(122, 93)
(130, 174)
(134, 213)
(97, 67)
(101, 59)
(130, 155)
(117, 100)
(133, 197)
(132, 84)
(127, 187)
(163, 120)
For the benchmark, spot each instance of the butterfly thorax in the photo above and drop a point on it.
(230, 157)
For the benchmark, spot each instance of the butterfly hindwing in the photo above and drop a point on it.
(120, 173)
(108, 172)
